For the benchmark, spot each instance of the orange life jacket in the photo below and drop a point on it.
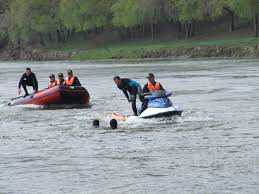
(69, 82)
(152, 87)
(52, 84)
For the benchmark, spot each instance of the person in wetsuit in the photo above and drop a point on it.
(130, 89)
(71, 79)
(151, 86)
(28, 79)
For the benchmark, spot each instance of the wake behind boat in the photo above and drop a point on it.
(59, 96)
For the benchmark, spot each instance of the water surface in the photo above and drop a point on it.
(213, 148)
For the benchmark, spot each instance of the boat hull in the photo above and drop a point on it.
(161, 112)
(55, 97)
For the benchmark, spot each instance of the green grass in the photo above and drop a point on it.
(68, 46)
(136, 49)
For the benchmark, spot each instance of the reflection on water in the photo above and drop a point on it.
(213, 148)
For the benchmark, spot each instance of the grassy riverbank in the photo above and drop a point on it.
(240, 46)
(153, 49)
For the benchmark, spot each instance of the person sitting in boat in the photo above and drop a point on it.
(28, 79)
(61, 80)
(71, 79)
(130, 89)
(52, 81)
(151, 86)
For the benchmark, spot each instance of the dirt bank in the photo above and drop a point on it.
(34, 54)
(197, 52)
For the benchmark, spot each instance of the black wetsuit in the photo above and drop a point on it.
(76, 82)
(131, 89)
(146, 90)
(30, 80)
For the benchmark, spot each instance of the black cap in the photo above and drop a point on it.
(116, 77)
(51, 76)
(60, 75)
(150, 75)
(69, 71)
(28, 69)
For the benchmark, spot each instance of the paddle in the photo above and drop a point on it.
(17, 98)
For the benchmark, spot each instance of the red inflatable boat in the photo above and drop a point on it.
(58, 96)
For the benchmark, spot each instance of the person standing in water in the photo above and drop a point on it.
(131, 89)
(28, 79)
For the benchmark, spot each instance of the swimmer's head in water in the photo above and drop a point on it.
(96, 123)
(113, 124)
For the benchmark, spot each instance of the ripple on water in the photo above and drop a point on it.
(211, 148)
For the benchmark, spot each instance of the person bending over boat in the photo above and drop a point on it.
(28, 79)
(151, 86)
(71, 79)
(52, 81)
(61, 80)
(130, 89)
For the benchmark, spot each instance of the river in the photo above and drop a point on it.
(212, 148)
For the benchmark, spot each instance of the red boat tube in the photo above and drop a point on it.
(56, 96)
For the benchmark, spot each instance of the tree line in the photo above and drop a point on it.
(25, 21)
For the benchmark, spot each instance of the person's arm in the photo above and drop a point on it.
(133, 94)
(76, 82)
(126, 94)
(161, 87)
(123, 87)
(20, 83)
(21, 80)
(145, 89)
(35, 83)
